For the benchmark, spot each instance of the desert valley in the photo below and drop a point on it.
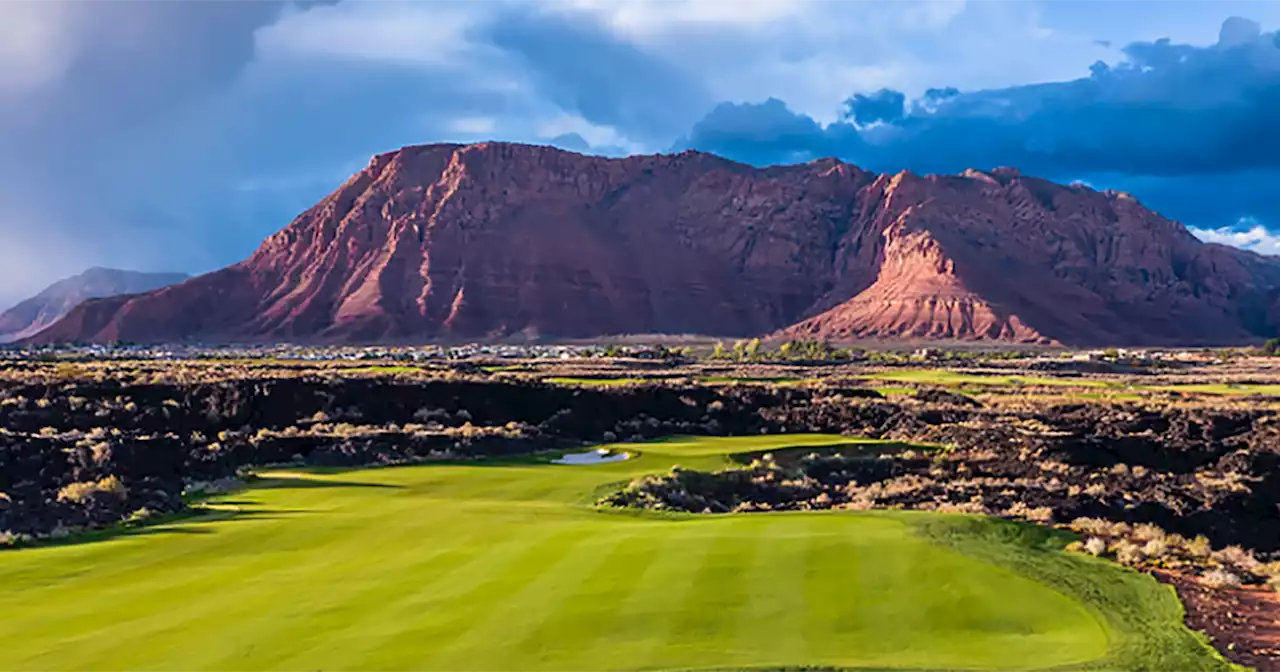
(687, 335)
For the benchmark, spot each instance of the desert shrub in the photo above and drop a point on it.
(1148, 532)
(1155, 548)
(78, 492)
(1220, 578)
(140, 515)
(1199, 547)
(1041, 514)
(1095, 546)
(1090, 525)
(8, 538)
(101, 453)
(1235, 556)
(1128, 553)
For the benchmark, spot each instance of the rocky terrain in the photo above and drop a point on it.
(499, 240)
(56, 300)
(1183, 487)
(1190, 470)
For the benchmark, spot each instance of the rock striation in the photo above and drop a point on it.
(56, 300)
(498, 240)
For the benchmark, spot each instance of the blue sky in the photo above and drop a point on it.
(176, 135)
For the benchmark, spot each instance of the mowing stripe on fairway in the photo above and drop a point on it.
(499, 566)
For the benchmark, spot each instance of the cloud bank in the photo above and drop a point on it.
(176, 135)
(1255, 237)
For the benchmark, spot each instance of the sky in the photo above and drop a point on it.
(176, 135)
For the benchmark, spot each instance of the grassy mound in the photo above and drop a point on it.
(504, 565)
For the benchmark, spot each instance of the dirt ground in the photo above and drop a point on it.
(1243, 623)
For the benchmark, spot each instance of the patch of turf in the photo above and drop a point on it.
(505, 367)
(383, 369)
(748, 380)
(949, 378)
(505, 565)
(1143, 616)
(1221, 389)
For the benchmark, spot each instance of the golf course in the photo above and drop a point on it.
(508, 565)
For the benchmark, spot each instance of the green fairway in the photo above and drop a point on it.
(507, 566)
(946, 377)
(1223, 389)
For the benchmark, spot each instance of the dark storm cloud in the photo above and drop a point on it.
(129, 61)
(1169, 111)
(577, 64)
(108, 73)
(882, 106)
(1178, 123)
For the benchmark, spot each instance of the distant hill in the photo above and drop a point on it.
(498, 240)
(36, 313)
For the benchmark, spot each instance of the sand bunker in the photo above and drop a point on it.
(597, 456)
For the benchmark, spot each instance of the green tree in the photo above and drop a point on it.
(718, 351)
(753, 349)
(786, 350)
(1271, 347)
(739, 350)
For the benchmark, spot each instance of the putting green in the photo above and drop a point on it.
(505, 566)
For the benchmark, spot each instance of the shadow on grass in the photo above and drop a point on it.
(178, 523)
(276, 481)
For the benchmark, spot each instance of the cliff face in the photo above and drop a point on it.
(498, 240)
(56, 300)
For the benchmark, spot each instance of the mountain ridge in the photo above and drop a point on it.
(52, 303)
(500, 240)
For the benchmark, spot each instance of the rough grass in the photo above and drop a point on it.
(505, 565)
(383, 369)
(946, 377)
(754, 380)
(1222, 389)
(597, 382)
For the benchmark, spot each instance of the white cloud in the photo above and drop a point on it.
(595, 135)
(424, 34)
(1256, 238)
(642, 18)
(473, 125)
(37, 44)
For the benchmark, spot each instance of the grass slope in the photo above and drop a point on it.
(506, 566)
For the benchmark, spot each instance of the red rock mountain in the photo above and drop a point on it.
(496, 240)
(56, 300)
